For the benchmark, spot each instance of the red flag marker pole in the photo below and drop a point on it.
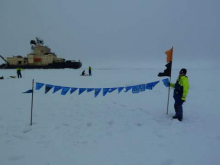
(32, 100)
(169, 54)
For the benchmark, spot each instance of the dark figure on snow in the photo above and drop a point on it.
(180, 92)
(83, 73)
(90, 71)
(19, 72)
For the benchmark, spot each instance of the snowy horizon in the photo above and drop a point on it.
(132, 33)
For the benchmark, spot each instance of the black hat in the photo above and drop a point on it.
(183, 71)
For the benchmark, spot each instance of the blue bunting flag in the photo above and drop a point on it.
(81, 90)
(39, 86)
(111, 90)
(48, 87)
(105, 91)
(90, 89)
(142, 88)
(97, 91)
(150, 86)
(120, 89)
(166, 82)
(127, 88)
(29, 91)
(56, 88)
(135, 89)
(73, 90)
(65, 90)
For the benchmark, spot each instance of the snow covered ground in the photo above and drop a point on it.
(116, 129)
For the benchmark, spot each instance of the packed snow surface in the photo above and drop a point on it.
(116, 129)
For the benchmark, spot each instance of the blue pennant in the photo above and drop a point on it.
(142, 88)
(127, 88)
(39, 86)
(105, 91)
(73, 90)
(166, 82)
(97, 91)
(29, 91)
(56, 88)
(48, 87)
(65, 90)
(111, 90)
(90, 89)
(120, 89)
(150, 86)
(81, 90)
(135, 89)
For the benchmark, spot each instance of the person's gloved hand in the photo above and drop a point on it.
(169, 84)
(183, 99)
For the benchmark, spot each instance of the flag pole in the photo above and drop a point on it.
(168, 100)
(168, 96)
(32, 100)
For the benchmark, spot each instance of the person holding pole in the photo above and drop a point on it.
(181, 88)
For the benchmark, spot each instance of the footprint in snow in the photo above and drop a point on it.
(111, 122)
(89, 124)
(26, 130)
(16, 157)
(122, 105)
(167, 162)
(138, 124)
(65, 124)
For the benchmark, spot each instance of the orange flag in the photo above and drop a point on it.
(169, 54)
(167, 71)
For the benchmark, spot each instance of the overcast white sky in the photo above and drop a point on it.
(118, 32)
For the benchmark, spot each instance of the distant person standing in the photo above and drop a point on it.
(90, 71)
(19, 72)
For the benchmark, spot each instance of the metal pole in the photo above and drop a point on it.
(32, 100)
(168, 96)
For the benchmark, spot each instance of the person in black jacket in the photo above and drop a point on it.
(83, 73)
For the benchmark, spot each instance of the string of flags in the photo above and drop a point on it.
(64, 90)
